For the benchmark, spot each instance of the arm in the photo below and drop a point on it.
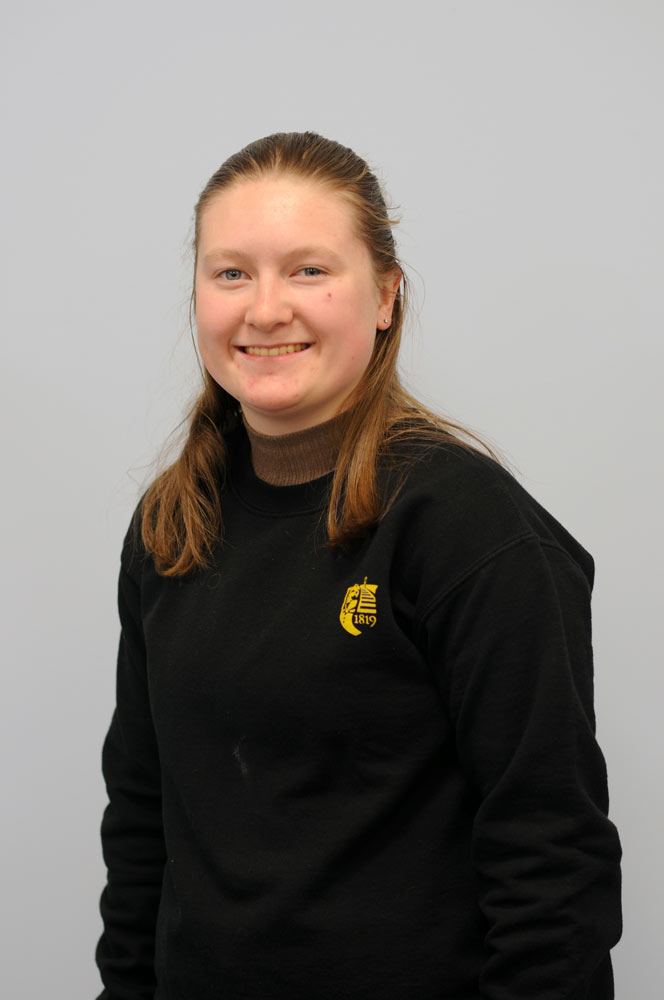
(132, 834)
(512, 645)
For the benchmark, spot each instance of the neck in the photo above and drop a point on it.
(290, 459)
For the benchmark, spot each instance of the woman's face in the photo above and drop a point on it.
(287, 304)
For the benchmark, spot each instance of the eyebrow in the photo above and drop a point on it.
(297, 252)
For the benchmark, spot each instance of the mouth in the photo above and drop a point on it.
(273, 352)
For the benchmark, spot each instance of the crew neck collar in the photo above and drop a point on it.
(297, 458)
(261, 497)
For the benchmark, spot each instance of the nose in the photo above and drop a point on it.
(269, 305)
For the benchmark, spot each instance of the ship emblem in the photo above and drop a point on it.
(359, 607)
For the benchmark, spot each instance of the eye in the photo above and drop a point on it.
(231, 274)
(311, 272)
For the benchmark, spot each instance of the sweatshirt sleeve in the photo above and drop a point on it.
(132, 834)
(511, 647)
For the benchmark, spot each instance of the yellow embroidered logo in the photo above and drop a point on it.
(359, 607)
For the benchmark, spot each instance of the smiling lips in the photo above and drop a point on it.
(272, 352)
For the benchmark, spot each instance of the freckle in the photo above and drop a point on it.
(329, 295)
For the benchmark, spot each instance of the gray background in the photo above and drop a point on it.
(523, 144)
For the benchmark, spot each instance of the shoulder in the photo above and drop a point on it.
(467, 508)
(134, 556)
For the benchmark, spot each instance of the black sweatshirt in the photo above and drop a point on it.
(369, 775)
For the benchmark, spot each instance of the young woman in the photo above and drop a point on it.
(353, 754)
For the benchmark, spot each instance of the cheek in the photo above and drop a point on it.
(201, 313)
(204, 310)
(210, 337)
(356, 305)
(212, 322)
(357, 355)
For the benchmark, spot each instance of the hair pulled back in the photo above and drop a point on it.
(181, 511)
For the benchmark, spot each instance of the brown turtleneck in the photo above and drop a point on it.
(290, 459)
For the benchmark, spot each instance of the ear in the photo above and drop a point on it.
(388, 293)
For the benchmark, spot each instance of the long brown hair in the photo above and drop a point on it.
(181, 510)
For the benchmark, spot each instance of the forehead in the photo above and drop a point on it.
(279, 207)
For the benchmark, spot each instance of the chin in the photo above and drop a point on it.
(281, 417)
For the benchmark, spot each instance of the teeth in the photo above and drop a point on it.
(272, 352)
